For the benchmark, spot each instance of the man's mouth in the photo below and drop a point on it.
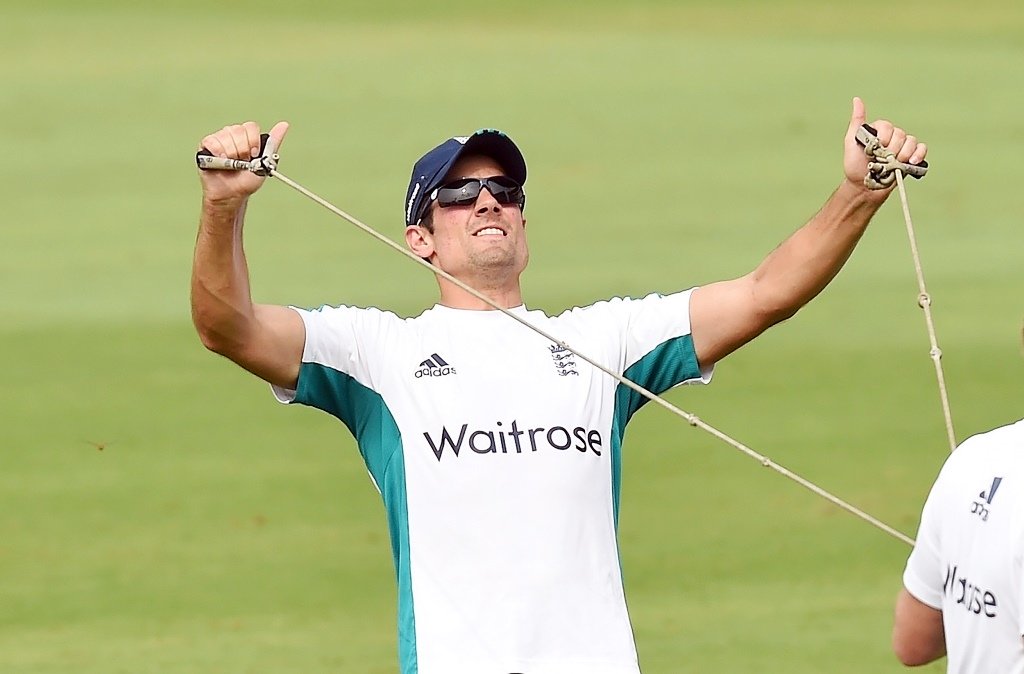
(490, 231)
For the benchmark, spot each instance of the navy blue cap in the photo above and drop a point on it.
(429, 172)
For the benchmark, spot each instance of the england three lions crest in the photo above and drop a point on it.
(564, 360)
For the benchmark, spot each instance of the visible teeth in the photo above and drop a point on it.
(490, 230)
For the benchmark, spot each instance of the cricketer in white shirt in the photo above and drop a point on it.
(968, 562)
(498, 458)
(497, 453)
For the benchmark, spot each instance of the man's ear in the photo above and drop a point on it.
(420, 241)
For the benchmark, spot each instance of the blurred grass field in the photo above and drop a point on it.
(670, 144)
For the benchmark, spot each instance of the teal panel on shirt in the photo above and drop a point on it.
(367, 416)
(671, 362)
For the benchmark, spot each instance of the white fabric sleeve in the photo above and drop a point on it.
(342, 338)
(655, 326)
(656, 319)
(923, 574)
(1018, 569)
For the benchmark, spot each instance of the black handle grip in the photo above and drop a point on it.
(264, 137)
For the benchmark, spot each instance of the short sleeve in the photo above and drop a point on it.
(346, 340)
(658, 340)
(923, 573)
(648, 339)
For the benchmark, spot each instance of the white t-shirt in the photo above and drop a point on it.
(497, 454)
(969, 557)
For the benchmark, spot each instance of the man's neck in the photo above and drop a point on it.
(506, 296)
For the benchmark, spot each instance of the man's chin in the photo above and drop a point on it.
(497, 262)
(493, 256)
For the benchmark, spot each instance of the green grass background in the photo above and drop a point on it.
(670, 144)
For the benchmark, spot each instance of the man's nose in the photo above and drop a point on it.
(486, 202)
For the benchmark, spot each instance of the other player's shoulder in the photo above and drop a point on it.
(1001, 448)
(1004, 438)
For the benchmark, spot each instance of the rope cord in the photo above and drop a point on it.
(924, 300)
(691, 419)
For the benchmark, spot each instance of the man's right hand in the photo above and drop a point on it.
(238, 141)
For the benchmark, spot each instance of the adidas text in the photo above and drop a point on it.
(434, 371)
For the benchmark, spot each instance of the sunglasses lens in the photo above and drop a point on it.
(459, 193)
(505, 190)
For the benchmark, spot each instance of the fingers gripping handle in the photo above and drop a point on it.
(262, 165)
(207, 162)
(882, 170)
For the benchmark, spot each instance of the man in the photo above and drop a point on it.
(963, 586)
(497, 452)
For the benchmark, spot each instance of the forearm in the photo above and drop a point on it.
(222, 308)
(801, 267)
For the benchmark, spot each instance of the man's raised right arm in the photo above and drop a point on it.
(264, 339)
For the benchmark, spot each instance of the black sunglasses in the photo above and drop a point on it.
(466, 190)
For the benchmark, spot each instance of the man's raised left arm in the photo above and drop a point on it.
(726, 315)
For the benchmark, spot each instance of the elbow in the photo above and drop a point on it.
(210, 340)
(781, 313)
(912, 657)
(207, 335)
(222, 344)
(771, 314)
(211, 336)
(908, 657)
(914, 648)
(774, 305)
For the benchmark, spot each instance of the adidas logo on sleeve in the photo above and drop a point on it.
(434, 366)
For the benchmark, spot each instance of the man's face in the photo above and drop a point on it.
(483, 239)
